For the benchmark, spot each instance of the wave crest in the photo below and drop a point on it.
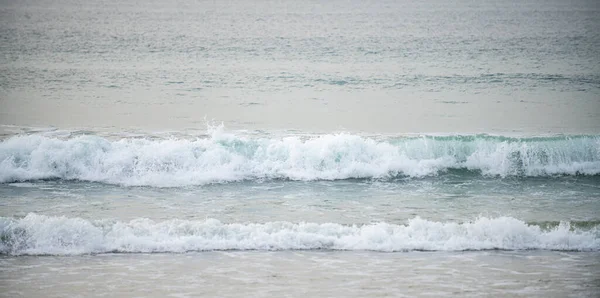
(223, 157)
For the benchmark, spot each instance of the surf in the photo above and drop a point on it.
(221, 157)
(47, 235)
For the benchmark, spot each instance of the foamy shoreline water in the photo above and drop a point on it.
(306, 273)
(42, 235)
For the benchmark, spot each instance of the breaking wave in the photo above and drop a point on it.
(222, 157)
(43, 235)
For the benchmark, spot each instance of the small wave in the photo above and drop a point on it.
(221, 157)
(44, 235)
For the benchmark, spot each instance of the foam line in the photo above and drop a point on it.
(44, 235)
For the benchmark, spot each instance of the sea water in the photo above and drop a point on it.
(285, 148)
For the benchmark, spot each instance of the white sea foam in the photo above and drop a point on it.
(39, 235)
(224, 157)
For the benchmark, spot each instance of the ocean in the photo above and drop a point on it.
(299, 148)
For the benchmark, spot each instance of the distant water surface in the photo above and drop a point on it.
(385, 66)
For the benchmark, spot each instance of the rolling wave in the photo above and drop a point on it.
(222, 157)
(43, 235)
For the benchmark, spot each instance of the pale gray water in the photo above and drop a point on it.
(383, 66)
(111, 184)
(346, 202)
(302, 274)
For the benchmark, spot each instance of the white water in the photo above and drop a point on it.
(40, 235)
(224, 157)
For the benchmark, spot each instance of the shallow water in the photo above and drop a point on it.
(306, 273)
